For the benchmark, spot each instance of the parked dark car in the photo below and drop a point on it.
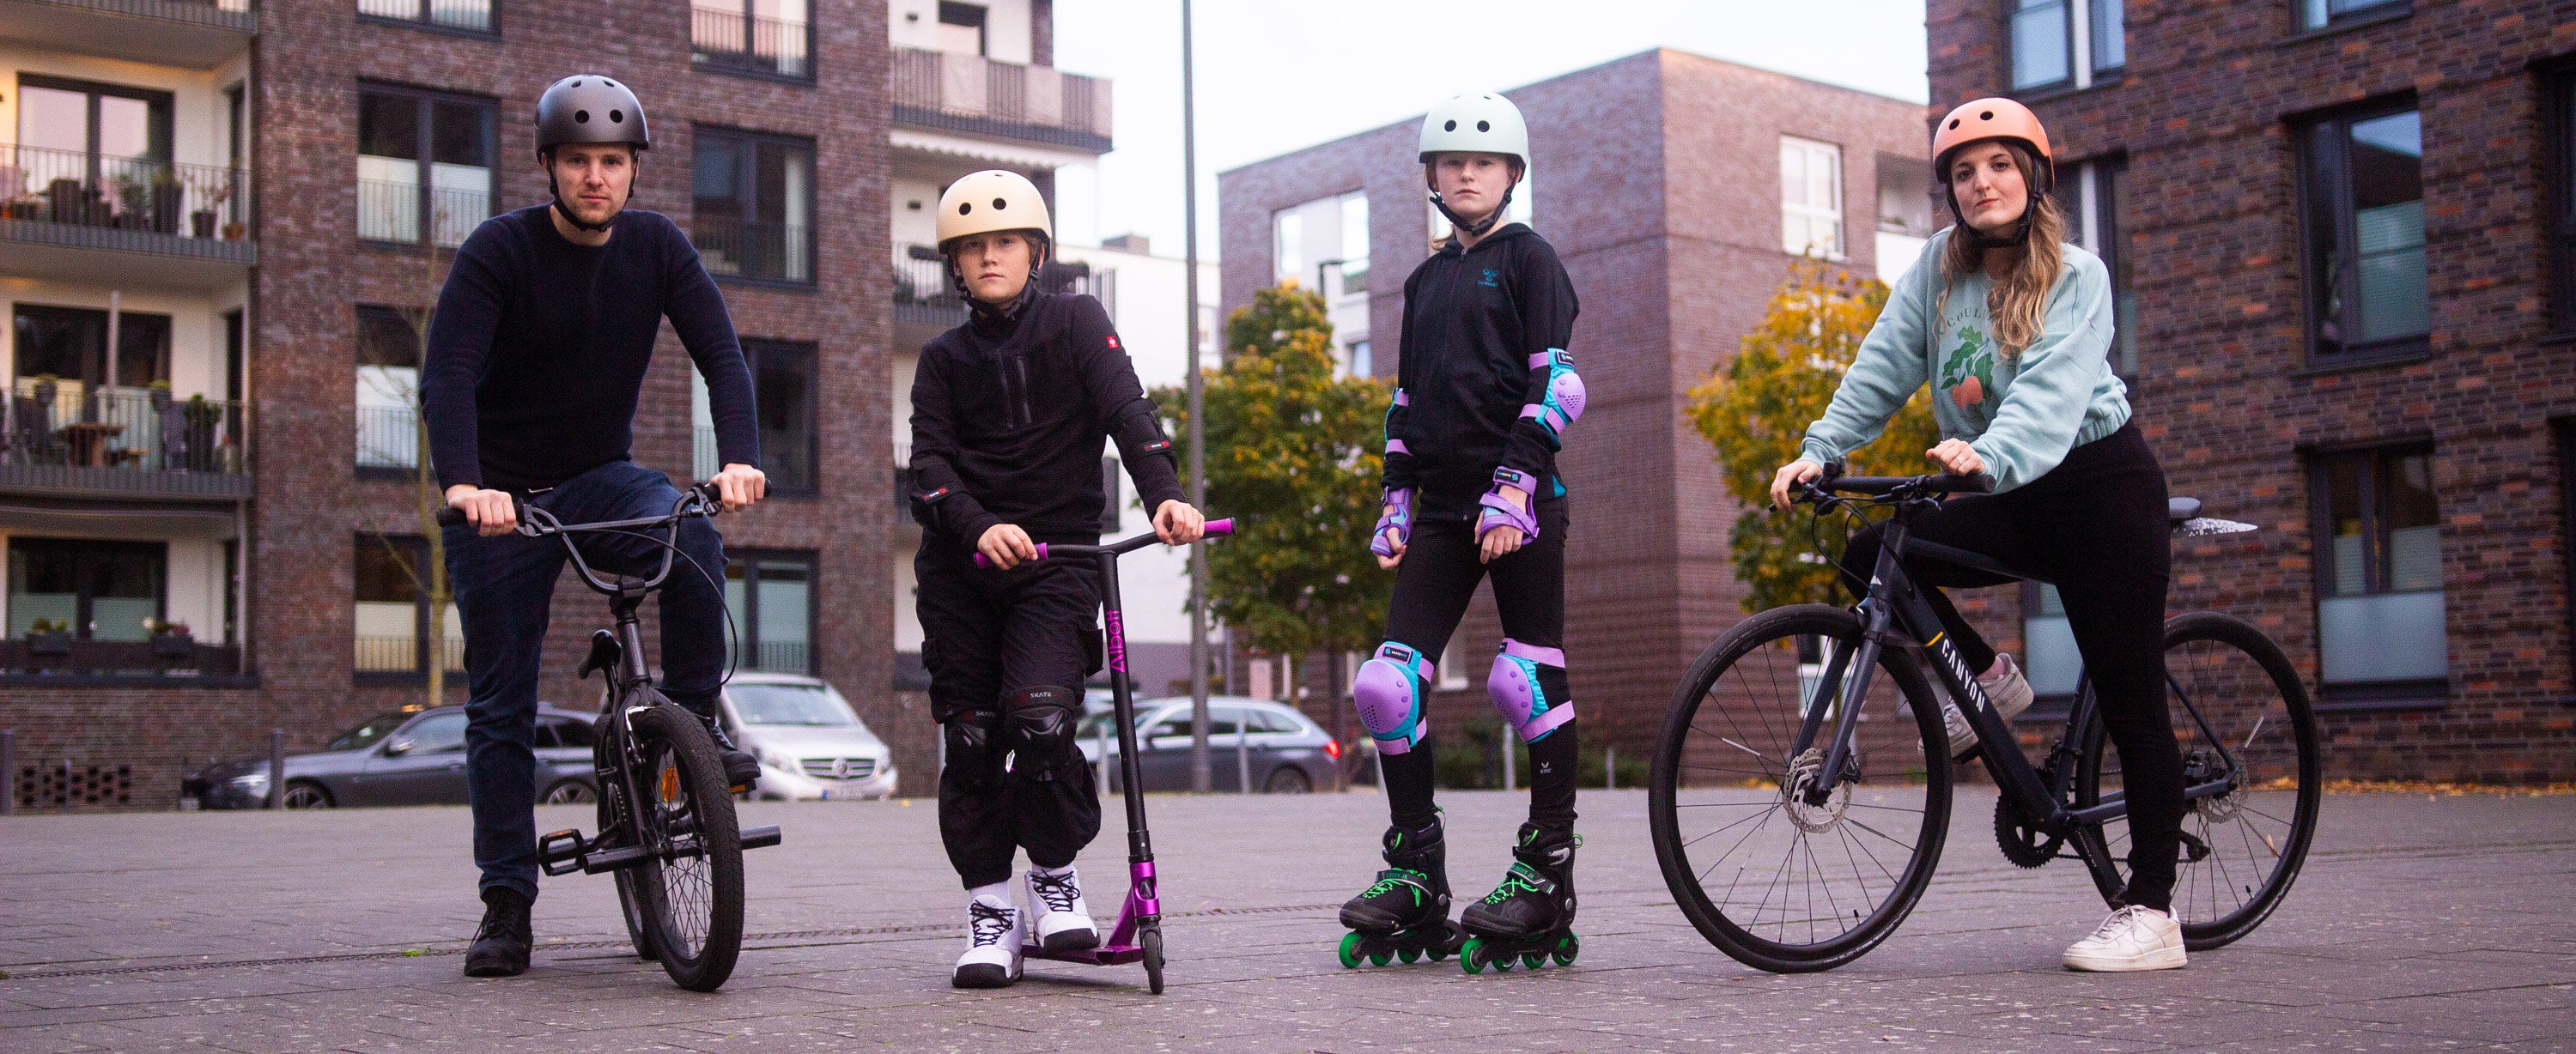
(408, 757)
(1284, 752)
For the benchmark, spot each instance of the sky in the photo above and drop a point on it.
(1275, 76)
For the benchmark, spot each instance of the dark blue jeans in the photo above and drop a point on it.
(505, 589)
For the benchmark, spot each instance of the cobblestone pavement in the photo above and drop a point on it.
(2420, 924)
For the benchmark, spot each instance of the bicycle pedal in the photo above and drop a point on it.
(2194, 850)
(562, 852)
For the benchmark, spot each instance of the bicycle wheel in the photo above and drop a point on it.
(634, 884)
(2240, 713)
(1769, 879)
(696, 924)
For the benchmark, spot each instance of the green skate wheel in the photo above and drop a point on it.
(1409, 955)
(1534, 960)
(1471, 956)
(1380, 957)
(1350, 951)
(1567, 949)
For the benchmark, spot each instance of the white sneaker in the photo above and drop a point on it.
(1063, 922)
(992, 958)
(2133, 938)
(2008, 691)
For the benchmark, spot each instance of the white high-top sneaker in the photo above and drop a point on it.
(1063, 921)
(992, 958)
(2006, 688)
(2133, 938)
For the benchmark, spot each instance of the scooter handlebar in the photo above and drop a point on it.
(1212, 529)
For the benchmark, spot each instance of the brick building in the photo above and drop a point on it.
(1677, 189)
(2347, 257)
(261, 188)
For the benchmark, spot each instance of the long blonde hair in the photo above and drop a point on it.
(2018, 302)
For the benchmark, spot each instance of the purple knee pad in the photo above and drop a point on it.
(1388, 692)
(1520, 687)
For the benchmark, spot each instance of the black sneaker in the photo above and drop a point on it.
(501, 943)
(742, 771)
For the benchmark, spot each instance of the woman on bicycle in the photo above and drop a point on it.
(1009, 412)
(2012, 328)
(1485, 388)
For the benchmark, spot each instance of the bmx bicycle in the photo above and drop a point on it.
(667, 829)
(1801, 789)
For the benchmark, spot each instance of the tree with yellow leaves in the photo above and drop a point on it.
(1755, 409)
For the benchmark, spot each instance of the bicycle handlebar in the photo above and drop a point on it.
(1823, 489)
(708, 497)
(1214, 529)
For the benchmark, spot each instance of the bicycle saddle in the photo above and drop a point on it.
(2179, 509)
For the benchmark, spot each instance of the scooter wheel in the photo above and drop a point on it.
(1153, 943)
(1350, 951)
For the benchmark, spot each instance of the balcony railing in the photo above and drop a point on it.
(728, 41)
(42, 656)
(124, 193)
(390, 210)
(120, 432)
(778, 656)
(470, 15)
(388, 438)
(924, 293)
(402, 654)
(738, 248)
(971, 93)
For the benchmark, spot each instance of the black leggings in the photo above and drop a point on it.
(2096, 526)
(1432, 587)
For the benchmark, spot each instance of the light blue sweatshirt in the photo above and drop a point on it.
(2021, 416)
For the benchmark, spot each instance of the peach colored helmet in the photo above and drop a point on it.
(1993, 118)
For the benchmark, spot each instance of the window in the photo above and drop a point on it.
(2379, 577)
(108, 396)
(1811, 198)
(2048, 36)
(2326, 14)
(2363, 176)
(98, 155)
(388, 396)
(123, 129)
(753, 206)
(392, 626)
(1362, 362)
(1452, 668)
(772, 599)
(95, 590)
(2561, 111)
(961, 28)
(783, 397)
(1323, 245)
(2049, 657)
(1354, 247)
(435, 734)
(756, 36)
(424, 166)
(2088, 195)
(472, 16)
(1906, 211)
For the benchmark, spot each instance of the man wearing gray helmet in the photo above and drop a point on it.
(537, 354)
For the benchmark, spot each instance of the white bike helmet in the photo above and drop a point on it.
(1477, 122)
(988, 201)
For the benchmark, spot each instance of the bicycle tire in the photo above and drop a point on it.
(696, 933)
(1920, 760)
(634, 883)
(2234, 702)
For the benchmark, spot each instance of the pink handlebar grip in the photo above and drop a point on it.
(1220, 528)
(981, 562)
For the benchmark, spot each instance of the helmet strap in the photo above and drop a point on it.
(1042, 248)
(1478, 228)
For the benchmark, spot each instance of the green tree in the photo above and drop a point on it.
(1755, 409)
(1292, 455)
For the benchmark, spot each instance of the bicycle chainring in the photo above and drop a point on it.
(2025, 846)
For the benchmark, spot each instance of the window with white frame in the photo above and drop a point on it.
(2088, 195)
(1323, 245)
(2065, 43)
(1811, 198)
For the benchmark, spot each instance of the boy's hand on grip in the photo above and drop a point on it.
(1177, 523)
(1005, 545)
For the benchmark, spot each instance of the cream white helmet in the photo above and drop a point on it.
(988, 201)
(1481, 122)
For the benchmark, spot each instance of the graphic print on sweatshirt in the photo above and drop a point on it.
(1966, 371)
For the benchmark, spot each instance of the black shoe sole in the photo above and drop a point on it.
(490, 968)
(981, 975)
(1073, 940)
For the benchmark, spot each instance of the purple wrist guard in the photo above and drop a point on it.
(1399, 517)
(1498, 510)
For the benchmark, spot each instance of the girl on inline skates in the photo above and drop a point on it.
(1009, 412)
(2013, 330)
(1485, 392)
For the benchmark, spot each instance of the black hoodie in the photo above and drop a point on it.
(1009, 412)
(1472, 320)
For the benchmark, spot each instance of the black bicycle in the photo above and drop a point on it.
(666, 820)
(1801, 789)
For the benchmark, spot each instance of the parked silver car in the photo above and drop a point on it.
(412, 756)
(1285, 752)
(811, 745)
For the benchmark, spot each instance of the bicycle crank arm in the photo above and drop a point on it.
(760, 837)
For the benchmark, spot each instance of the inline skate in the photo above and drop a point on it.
(1405, 914)
(1530, 917)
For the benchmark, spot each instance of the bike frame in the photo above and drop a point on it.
(1896, 614)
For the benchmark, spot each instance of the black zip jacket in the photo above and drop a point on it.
(538, 348)
(1472, 320)
(1008, 417)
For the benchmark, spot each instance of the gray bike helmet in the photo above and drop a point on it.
(588, 108)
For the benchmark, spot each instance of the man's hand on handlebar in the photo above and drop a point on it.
(1177, 523)
(740, 487)
(1784, 483)
(1004, 545)
(490, 511)
(1956, 457)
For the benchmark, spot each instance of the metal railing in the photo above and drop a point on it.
(727, 40)
(739, 248)
(702, 453)
(924, 293)
(974, 93)
(390, 211)
(402, 654)
(127, 193)
(475, 15)
(388, 437)
(145, 431)
(785, 656)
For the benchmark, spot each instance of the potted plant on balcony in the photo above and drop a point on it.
(47, 636)
(169, 196)
(204, 417)
(170, 640)
(202, 222)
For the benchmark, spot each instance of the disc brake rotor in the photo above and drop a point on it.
(1803, 771)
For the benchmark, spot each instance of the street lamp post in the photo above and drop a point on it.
(1200, 779)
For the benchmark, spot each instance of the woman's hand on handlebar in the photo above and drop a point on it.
(1177, 523)
(1004, 545)
(1784, 483)
(740, 487)
(490, 511)
(1956, 457)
